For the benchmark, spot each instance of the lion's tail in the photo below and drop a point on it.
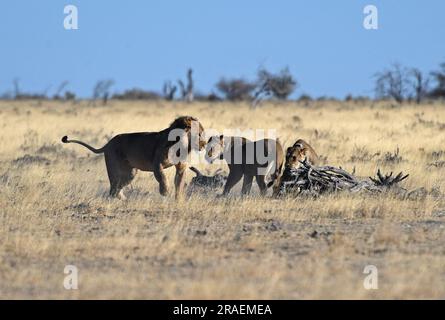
(101, 150)
(198, 173)
(274, 176)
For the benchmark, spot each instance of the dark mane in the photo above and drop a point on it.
(182, 122)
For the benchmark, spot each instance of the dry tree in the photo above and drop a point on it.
(392, 83)
(279, 86)
(420, 84)
(60, 88)
(169, 90)
(315, 180)
(439, 78)
(187, 89)
(102, 90)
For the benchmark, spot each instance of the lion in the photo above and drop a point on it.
(149, 151)
(244, 161)
(298, 152)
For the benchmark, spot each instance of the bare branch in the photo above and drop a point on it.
(316, 180)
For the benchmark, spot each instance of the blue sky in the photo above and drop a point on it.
(143, 43)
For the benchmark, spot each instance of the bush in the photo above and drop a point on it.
(279, 85)
(235, 89)
(305, 97)
(351, 98)
(439, 78)
(137, 94)
(19, 95)
(70, 95)
(102, 89)
(207, 97)
(393, 83)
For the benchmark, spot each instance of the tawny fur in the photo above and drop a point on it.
(147, 151)
(299, 151)
(229, 146)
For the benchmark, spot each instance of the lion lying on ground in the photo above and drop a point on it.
(246, 159)
(147, 151)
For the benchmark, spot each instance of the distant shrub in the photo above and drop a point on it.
(305, 97)
(235, 89)
(207, 97)
(405, 84)
(352, 98)
(70, 95)
(326, 98)
(279, 86)
(213, 97)
(137, 94)
(439, 78)
(392, 157)
(30, 96)
(393, 83)
(19, 95)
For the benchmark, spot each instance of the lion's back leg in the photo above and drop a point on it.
(247, 184)
(120, 174)
(260, 179)
(232, 180)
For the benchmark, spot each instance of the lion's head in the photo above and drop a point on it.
(296, 154)
(300, 151)
(214, 148)
(194, 130)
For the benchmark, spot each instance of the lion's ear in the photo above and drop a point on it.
(188, 122)
(184, 123)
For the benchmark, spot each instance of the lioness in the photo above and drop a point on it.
(245, 158)
(148, 151)
(298, 152)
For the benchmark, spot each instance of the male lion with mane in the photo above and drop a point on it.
(147, 151)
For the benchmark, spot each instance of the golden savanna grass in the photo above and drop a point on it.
(55, 210)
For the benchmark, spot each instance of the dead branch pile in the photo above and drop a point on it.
(316, 180)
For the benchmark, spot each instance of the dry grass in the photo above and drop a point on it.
(54, 210)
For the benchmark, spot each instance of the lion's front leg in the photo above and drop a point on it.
(160, 177)
(179, 180)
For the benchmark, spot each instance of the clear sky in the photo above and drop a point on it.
(143, 43)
